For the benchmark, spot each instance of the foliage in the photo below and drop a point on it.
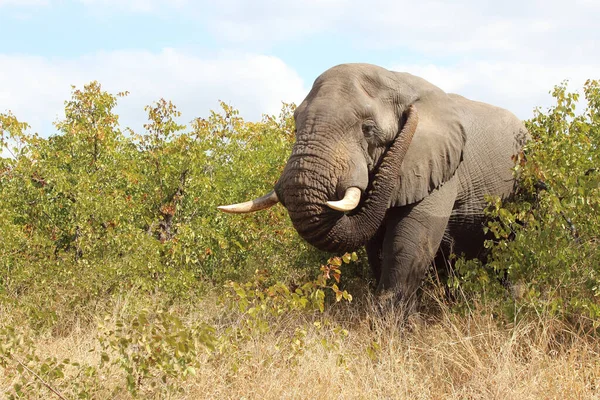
(545, 252)
(155, 352)
(155, 347)
(94, 210)
(258, 301)
(34, 376)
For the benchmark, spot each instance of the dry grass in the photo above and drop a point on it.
(452, 358)
(347, 353)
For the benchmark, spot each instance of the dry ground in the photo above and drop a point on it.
(346, 353)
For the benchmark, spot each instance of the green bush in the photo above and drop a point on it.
(96, 214)
(95, 210)
(545, 252)
(151, 350)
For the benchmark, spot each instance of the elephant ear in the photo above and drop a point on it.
(437, 146)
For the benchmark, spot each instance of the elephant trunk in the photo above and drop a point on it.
(333, 231)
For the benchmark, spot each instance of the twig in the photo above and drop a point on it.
(572, 226)
(56, 392)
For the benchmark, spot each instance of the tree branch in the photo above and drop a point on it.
(56, 392)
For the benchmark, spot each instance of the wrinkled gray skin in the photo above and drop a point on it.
(461, 151)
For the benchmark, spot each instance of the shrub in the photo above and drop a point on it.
(94, 209)
(545, 251)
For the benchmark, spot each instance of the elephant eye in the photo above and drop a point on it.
(369, 128)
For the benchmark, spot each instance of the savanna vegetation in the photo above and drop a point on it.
(119, 279)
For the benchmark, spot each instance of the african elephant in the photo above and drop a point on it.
(388, 160)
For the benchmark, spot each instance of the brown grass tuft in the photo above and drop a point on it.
(349, 352)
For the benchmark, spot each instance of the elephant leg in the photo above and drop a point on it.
(374, 249)
(412, 238)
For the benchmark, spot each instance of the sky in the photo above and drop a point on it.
(256, 54)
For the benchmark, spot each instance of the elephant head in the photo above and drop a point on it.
(354, 155)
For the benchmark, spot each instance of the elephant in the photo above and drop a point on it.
(389, 161)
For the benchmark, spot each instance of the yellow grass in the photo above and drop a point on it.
(347, 353)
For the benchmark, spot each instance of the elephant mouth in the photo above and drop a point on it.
(345, 224)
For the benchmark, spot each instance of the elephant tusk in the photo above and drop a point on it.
(266, 201)
(349, 202)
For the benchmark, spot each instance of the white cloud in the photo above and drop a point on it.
(549, 30)
(507, 53)
(143, 6)
(268, 21)
(23, 2)
(35, 88)
(135, 5)
(515, 86)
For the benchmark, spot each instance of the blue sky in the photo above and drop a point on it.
(255, 54)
